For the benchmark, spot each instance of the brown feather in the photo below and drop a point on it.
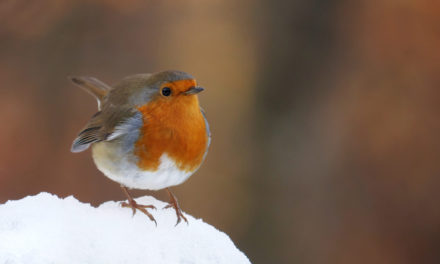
(93, 86)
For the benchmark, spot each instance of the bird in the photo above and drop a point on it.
(149, 133)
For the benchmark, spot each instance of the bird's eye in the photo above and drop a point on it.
(166, 91)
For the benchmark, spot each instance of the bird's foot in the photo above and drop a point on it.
(174, 204)
(133, 205)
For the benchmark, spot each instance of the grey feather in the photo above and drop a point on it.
(106, 126)
(208, 131)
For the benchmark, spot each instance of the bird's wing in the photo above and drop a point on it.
(106, 125)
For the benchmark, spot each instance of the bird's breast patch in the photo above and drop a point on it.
(175, 128)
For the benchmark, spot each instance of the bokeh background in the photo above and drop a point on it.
(324, 115)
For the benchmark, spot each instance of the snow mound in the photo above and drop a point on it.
(48, 229)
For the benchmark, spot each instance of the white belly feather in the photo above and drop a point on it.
(120, 166)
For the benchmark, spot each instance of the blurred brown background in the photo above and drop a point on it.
(324, 115)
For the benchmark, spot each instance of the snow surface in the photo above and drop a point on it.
(47, 229)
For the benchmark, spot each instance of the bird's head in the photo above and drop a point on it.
(162, 88)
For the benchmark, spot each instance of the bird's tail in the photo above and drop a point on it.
(93, 86)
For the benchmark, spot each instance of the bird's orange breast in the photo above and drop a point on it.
(174, 127)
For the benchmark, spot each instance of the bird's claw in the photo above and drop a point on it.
(133, 205)
(173, 203)
(179, 213)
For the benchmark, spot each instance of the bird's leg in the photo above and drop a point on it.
(133, 205)
(173, 203)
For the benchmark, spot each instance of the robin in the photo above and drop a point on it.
(149, 133)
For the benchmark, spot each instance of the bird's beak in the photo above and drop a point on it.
(194, 90)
